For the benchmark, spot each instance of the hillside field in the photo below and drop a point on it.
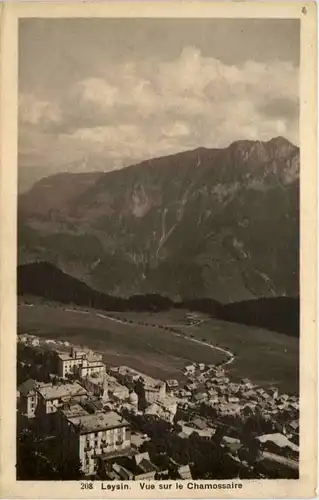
(267, 358)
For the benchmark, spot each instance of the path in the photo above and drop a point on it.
(229, 354)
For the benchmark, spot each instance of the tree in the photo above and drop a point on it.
(70, 469)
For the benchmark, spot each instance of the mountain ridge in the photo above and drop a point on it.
(220, 223)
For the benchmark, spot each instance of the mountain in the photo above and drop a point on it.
(208, 223)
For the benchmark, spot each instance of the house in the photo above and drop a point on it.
(283, 467)
(276, 442)
(228, 409)
(171, 384)
(184, 472)
(91, 364)
(28, 400)
(233, 443)
(35, 342)
(165, 409)
(190, 369)
(144, 468)
(200, 397)
(51, 397)
(190, 387)
(200, 423)
(103, 385)
(273, 391)
(150, 389)
(293, 426)
(247, 383)
(233, 399)
(122, 472)
(88, 437)
(22, 339)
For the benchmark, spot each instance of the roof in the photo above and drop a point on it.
(140, 456)
(27, 386)
(231, 440)
(74, 410)
(200, 395)
(172, 382)
(127, 370)
(200, 423)
(64, 356)
(49, 392)
(288, 462)
(294, 424)
(185, 472)
(147, 466)
(98, 421)
(183, 435)
(278, 439)
(246, 381)
(94, 356)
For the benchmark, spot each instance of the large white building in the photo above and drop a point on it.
(81, 362)
(91, 436)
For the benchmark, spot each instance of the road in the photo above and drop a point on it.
(230, 356)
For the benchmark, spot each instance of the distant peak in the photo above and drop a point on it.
(280, 141)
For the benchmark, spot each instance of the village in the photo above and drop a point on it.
(81, 418)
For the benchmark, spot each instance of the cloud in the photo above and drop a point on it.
(38, 112)
(142, 109)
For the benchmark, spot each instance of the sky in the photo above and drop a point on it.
(105, 93)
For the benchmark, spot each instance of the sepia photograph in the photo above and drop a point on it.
(158, 261)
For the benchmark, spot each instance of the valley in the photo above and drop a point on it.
(145, 342)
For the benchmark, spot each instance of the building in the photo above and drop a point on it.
(148, 388)
(28, 400)
(89, 437)
(153, 393)
(171, 385)
(165, 409)
(144, 468)
(105, 386)
(277, 443)
(189, 369)
(133, 398)
(51, 397)
(68, 363)
(80, 362)
(92, 363)
(184, 472)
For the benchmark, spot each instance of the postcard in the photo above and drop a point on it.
(158, 250)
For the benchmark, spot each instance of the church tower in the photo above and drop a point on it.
(105, 394)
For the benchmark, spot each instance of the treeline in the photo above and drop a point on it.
(43, 279)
